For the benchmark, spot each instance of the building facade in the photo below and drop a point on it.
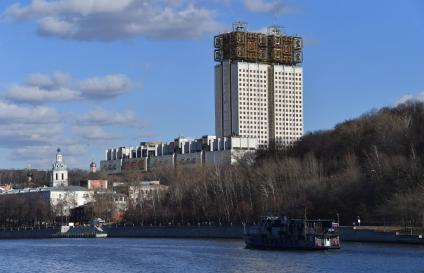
(94, 184)
(259, 86)
(145, 190)
(182, 152)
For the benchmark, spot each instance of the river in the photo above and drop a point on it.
(180, 255)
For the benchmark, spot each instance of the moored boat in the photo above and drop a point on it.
(284, 233)
(91, 231)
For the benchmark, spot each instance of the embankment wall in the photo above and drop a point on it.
(28, 233)
(349, 234)
(222, 232)
(212, 232)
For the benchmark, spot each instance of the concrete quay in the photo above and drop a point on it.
(347, 234)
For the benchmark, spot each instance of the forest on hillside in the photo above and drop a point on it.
(371, 167)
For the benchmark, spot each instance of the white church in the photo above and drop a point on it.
(60, 196)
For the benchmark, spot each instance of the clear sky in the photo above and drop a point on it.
(86, 75)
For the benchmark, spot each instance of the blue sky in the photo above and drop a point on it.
(88, 75)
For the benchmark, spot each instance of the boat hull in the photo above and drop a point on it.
(260, 242)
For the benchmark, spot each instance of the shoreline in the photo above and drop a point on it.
(347, 234)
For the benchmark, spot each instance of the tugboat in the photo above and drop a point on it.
(283, 233)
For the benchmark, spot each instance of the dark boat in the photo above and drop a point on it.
(283, 233)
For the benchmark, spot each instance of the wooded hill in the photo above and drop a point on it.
(370, 167)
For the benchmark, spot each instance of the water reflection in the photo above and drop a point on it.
(169, 255)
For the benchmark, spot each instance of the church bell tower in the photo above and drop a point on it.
(59, 172)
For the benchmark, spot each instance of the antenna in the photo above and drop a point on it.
(275, 30)
(239, 26)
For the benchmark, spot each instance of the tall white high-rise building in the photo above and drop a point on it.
(258, 98)
(259, 101)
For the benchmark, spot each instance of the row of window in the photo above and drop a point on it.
(265, 71)
(289, 136)
(252, 76)
(287, 78)
(287, 83)
(253, 129)
(247, 121)
(253, 134)
(297, 104)
(277, 92)
(281, 93)
(290, 102)
(287, 87)
(252, 85)
(252, 112)
(289, 119)
(252, 71)
(298, 135)
(243, 93)
(287, 129)
(287, 98)
(288, 114)
(252, 115)
(287, 73)
(265, 82)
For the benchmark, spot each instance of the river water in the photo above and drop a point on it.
(177, 255)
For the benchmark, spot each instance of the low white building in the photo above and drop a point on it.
(145, 190)
(61, 199)
(120, 202)
(182, 152)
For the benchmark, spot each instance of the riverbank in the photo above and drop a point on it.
(348, 234)
(377, 235)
